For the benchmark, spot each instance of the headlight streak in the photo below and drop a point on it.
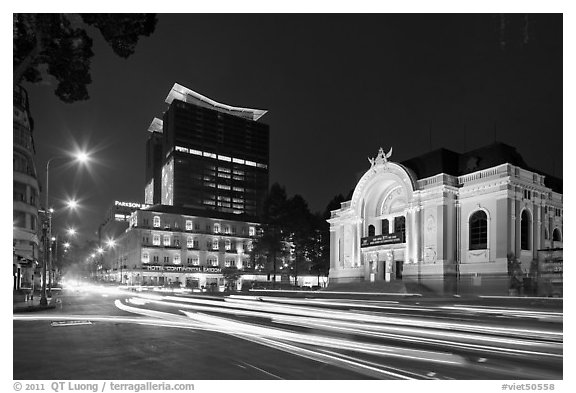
(266, 309)
(309, 314)
(305, 338)
(359, 317)
(418, 335)
(507, 311)
(423, 340)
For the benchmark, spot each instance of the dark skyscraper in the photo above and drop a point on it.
(214, 156)
(154, 163)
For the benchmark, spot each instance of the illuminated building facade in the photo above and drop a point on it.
(447, 220)
(214, 156)
(183, 247)
(25, 194)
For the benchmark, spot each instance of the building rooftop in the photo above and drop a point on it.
(182, 93)
(187, 211)
(156, 125)
(458, 164)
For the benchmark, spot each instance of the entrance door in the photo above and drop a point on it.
(399, 267)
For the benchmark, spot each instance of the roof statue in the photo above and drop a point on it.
(381, 158)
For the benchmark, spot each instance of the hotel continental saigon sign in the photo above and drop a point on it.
(181, 269)
(391, 238)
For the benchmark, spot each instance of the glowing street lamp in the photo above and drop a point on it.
(81, 157)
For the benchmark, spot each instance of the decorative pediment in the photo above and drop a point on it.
(381, 158)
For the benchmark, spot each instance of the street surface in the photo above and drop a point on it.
(99, 332)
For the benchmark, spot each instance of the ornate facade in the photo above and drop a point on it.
(458, 226)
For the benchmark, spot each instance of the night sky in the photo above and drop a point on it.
(337, 87)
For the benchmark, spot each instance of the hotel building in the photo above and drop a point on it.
(214, 156)
(171, 246)
(206, 178)
(446, 220)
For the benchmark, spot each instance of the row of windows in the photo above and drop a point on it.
(193, 243)
(194, 260)
(19, 193)
(478, 224)
(216, 228)
(478, 230)
(399, 227)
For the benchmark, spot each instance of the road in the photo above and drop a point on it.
(106, 333)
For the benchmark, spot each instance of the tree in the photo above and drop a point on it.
(59, 45)
(270, 241)
(321, 248)
(300, 234)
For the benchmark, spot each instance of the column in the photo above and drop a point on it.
(410, 236)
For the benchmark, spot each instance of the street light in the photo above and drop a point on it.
(81, 157)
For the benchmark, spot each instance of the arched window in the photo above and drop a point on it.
(525, 231)
(385, 227)
(478, 230)
(371, 230)
(556, 235)
(400, 227)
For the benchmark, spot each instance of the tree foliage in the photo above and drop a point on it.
(290, 233)
(59, 45)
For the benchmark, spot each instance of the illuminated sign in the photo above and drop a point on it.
(391, 238)
(181, 269)
(172, 268)
(132, 205)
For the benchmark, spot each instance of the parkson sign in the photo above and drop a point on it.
(133, 205)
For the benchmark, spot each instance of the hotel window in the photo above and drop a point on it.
(252, 231)
(195, 261)
(155, 258)
(166, 259)
(371, 230)
(228, 263)
(177, 259)
(385, 227)
(166, 240)
(189, 242)
(188, 225)
(478, 225)
(156, 240)
(215, 244)
(525, 230)
(177, 241)
(546, 234)
(228, 244)
(233, 230)
(226, 229)
(196, 244)
(196, 226)
(400, 227)
(216, 228)
(145, 222)
(145, 257)
(212, 261)
(249, 246)
(556, 236)
(156, 222)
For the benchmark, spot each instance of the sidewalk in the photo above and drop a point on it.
(34, 304)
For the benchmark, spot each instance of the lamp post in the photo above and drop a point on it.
(47, 265)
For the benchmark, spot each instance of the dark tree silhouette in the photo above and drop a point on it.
(59, 45)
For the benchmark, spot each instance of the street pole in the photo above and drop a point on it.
(43, 299)
(49, 213)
